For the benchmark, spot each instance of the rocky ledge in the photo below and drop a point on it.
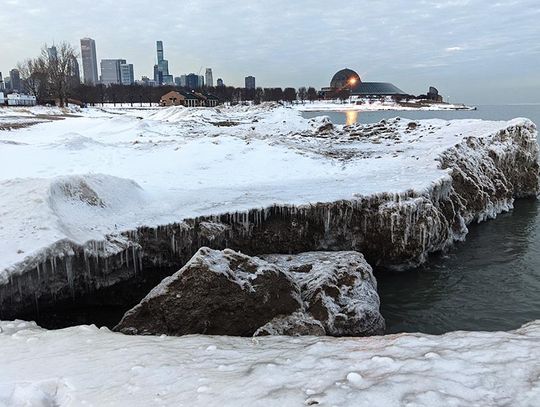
(229, 293)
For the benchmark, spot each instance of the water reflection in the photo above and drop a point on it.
(351, 117)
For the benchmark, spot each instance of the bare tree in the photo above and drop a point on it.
(302, 93)
(34, 75)
(311, 94)
(59, 61)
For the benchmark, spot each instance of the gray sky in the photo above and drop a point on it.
(483, 51)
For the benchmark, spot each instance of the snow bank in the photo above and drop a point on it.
(88, 366)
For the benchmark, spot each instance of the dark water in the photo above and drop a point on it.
(490, 282)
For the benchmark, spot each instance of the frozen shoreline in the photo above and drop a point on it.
(105, 196)
(320, 106)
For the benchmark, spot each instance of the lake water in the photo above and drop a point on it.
(489, 282)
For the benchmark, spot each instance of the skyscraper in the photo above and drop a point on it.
(89, 61)
(250, 82)
(53, 52)
(161, 69)
(192, 81)
(1, 81)
(74, 72)
(209, 78)
(127, 76)
(110, 71)
(15, 80)
(159, 46)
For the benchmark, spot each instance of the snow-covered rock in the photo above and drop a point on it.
(338, 289)
(297, 324)
(229, 293)
(85, 365)
(215, 293)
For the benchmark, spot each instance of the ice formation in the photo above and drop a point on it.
(105, 197)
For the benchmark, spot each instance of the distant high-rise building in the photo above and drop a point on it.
(74, 72)
(209, 78)
(52, 52)
(168, 80)
(250, 82)
(15, 80)
(110, 71)
(1, 82)
(127, 76)
(7, 83)
(183, 80)
(192, 81)
(89, 61)
(159, 46)
(177, 81)
(158, 75)
(220, 82)
(201, 81)
(161, 69)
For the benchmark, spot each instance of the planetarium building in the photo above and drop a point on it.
(347, 79)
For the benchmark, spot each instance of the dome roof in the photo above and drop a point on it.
(345, 77)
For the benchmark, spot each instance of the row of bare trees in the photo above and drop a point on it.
(51, 76)
(138, 94)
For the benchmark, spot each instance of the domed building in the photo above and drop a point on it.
(349, 79)
(345, 78)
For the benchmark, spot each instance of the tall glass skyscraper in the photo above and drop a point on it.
(89, 61)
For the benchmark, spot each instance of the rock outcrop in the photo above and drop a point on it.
(228, 293)
(215, 293)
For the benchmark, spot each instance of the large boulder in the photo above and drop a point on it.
(338, 289)
(215, 293)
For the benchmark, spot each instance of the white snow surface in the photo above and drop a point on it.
(104, 172)
(87, 366)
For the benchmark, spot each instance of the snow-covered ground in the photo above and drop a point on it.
(371, 106)
(84, 177)
(87, 366)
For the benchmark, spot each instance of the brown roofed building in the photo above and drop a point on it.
(172, 98)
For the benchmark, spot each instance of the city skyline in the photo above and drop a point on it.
(446, 44)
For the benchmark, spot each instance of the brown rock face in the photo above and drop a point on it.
(215, 293)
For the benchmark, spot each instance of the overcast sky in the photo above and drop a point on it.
(482, 51)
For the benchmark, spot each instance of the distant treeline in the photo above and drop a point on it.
(152, 94)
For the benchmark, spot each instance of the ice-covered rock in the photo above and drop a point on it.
(338, 289)
(215, 293)
(229, 293)
(297, 324)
